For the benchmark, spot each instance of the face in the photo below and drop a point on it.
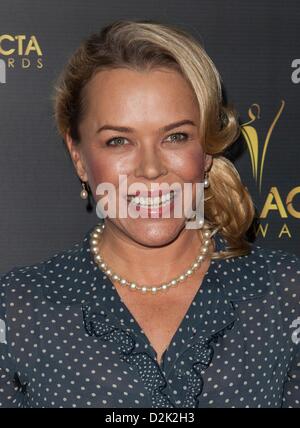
(145, 102)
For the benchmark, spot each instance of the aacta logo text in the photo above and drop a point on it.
(19, 51)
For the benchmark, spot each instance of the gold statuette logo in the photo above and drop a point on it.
(250, 134)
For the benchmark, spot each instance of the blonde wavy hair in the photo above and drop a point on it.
(145, 45)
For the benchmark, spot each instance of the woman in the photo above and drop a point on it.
(144, 311)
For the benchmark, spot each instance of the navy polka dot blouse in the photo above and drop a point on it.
(68, 340)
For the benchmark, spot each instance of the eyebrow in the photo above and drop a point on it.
(162, 129)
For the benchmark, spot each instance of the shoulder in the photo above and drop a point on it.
(282, 267)
(32, 281)
(261, 271)
(270, 274)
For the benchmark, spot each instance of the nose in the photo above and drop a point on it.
(150, 163)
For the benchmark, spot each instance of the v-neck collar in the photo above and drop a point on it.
(105, 315)
(214, 318)
(95, 288)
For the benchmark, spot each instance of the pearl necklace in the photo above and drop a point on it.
(94, 247)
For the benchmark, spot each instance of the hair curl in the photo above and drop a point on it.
(143, 46)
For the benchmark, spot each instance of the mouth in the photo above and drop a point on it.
(152, 202)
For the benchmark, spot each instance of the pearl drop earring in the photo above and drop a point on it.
(84, 192)
(206, 181)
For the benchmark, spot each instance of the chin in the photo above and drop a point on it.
(154, 232)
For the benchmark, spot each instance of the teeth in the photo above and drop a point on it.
(152, 202)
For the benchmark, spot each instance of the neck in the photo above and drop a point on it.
(143, 264)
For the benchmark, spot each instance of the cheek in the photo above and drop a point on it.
(101, 169)
(190, 166)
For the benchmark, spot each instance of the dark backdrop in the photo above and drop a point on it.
(256, 47)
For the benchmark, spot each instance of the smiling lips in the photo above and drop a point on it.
(151, 199)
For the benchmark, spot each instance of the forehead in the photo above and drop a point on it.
(130, 93)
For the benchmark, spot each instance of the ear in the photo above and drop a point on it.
(76, 156)
(208, 162)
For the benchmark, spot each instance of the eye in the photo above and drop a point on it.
(115, 139)
(183, 134)
(119, 141)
